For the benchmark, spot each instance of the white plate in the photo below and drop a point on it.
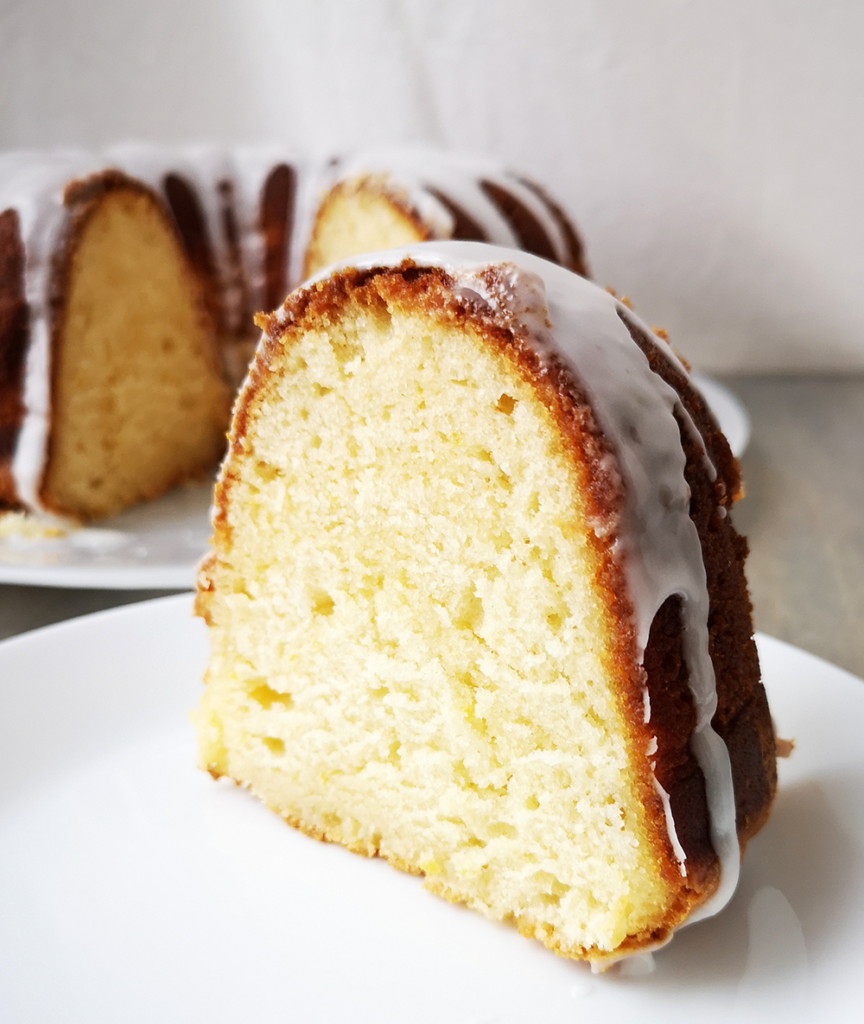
(155, 546)
(158, 545)
(730, 413)
(134, 888)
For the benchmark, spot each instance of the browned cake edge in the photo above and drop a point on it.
(576, 261)
(14, 336)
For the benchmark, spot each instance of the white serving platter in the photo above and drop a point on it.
(134, 888)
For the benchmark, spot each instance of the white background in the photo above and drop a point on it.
(712, 153)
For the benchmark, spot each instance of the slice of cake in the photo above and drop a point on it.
(476, 604)
(113, 389)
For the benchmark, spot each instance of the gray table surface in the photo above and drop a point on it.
(803, 514)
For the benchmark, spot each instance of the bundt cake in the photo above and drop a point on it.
(124, 275)
(475, 602)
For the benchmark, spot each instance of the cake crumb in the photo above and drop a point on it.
(29, 527)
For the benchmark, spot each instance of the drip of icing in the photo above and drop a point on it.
(564, 316)
(251, 166)
(32, 184)
(670, 826)
(639, 965)
(693, 431)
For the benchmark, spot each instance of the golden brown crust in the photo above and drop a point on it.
(204, 588)
(14, 334)
(276, 222)
(191, 224)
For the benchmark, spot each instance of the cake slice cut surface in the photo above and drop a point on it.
(426, 638)
(137, 402)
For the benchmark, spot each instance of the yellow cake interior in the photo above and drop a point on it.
(138, 399)
(411, 654)
(356, 218)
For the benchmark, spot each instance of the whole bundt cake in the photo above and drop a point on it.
(475, 602)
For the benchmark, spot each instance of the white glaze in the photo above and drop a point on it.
(677, 848)
(560, 314)
(33, 184)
